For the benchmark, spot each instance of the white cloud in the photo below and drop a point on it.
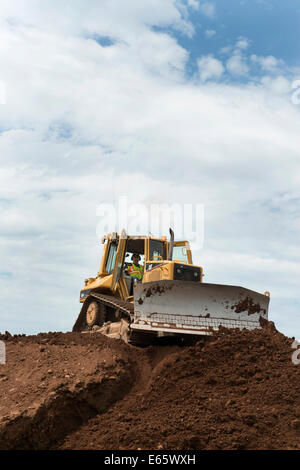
(107, 18)
(194, 4)
(239, 48)
(240, 62)
(278, 85)
(242, 43)
(226, 50)
(209, 33)
(268, 63)
(237, 65)
(208, 8)
(210, 67)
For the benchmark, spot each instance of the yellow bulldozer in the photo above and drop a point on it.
(170, 300)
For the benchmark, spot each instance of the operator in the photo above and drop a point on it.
(135, 270)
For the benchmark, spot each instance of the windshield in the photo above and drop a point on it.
(180, 253)
(156, 250)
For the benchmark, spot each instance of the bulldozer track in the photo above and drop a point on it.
(126, 308)
(110, 301)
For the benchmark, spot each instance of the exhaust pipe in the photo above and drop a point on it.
(170, 257)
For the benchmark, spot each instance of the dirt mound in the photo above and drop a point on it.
(52, 383)
(237, 390)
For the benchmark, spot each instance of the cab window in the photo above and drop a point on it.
(111, 257)
(180, 253)
(156, 250)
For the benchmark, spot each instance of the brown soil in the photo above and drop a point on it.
(237, 390)
(52, 383)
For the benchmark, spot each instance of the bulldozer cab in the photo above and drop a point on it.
(153, 251)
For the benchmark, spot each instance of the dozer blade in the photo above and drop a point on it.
(183, 307)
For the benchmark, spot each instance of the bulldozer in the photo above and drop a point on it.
(170, 300)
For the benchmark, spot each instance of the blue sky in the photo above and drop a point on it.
(272, 27)
(192, 99)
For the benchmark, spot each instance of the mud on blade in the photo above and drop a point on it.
(184, 307)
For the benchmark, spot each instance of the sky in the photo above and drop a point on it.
(173, 101)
